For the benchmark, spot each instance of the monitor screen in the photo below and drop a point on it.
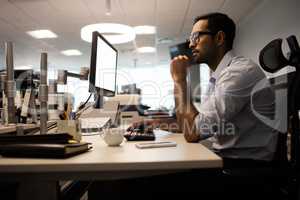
(103, 66)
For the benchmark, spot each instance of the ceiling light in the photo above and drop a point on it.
(41, 34)
(146, 49)
(118, 33)
(145, 30)
(24, 67)
(71, 52)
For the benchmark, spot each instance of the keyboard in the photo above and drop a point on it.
(139, 136)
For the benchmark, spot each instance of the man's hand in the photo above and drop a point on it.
(185, 110)
(168, 124)
(144, 124)
(179, 67)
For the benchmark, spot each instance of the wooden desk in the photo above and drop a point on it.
(103, 162)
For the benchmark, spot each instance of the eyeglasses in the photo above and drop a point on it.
(195, 36)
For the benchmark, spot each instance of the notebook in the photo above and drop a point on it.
(53, 138)
(44, 150)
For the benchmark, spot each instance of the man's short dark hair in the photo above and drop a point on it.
(220, 22)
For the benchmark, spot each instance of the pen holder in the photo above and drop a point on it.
(69, 126)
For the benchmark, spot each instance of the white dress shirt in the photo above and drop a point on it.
(227, 115)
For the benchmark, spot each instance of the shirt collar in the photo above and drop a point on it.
(226, 60)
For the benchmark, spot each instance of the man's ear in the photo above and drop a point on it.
(220, 38)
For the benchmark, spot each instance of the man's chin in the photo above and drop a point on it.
(197, 60)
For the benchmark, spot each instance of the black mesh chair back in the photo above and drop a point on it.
(272, 59)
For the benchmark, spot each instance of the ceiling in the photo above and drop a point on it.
(173, 19)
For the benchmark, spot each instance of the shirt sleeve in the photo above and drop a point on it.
(232, 92)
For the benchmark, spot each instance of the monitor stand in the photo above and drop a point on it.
(99, 100)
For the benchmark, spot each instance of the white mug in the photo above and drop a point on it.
(113, 136)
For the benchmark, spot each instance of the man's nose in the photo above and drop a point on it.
(191, 45)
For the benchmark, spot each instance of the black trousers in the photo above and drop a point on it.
(230, 163)
(194, 184)
(199, 183)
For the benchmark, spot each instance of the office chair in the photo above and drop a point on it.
(283, 172)
(272, 59)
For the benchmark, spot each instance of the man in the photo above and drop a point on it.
(230, 103)
(228, 115)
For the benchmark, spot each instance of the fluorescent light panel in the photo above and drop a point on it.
(145, 30)
(114, 33)
(71, 52)
(146, 49)
(24, 67)
(41, 34)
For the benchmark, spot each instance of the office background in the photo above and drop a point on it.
(268, 21)
(258, 21)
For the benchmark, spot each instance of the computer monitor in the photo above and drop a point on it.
(103, 69)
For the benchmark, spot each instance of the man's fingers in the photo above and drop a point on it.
(181, 57)
(133, 126)
(139, 124)
(185, 57)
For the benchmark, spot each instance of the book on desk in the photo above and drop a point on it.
(43, 150)
(58, 145)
